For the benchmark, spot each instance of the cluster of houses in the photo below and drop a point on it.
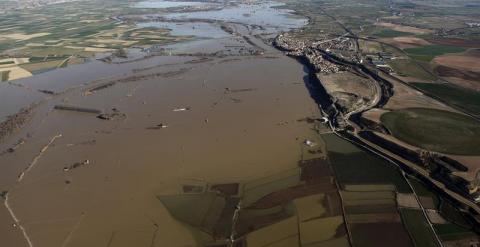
(296, 47)
(342, 46)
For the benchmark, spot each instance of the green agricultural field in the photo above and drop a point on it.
(390, 33)
(454, 95)
(418, 227)
(362, 168)
(458, 226)
(428, 52)
(453, 232)
(391, 234)
(435, 130)
(407, 67)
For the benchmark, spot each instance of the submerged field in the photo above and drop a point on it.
(435, 130)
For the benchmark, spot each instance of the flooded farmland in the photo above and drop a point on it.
(198, 30)
(220, 139)
(183, 130)
(214, 141)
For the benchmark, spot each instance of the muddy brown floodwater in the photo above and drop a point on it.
(162, 148)
(79, 180)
